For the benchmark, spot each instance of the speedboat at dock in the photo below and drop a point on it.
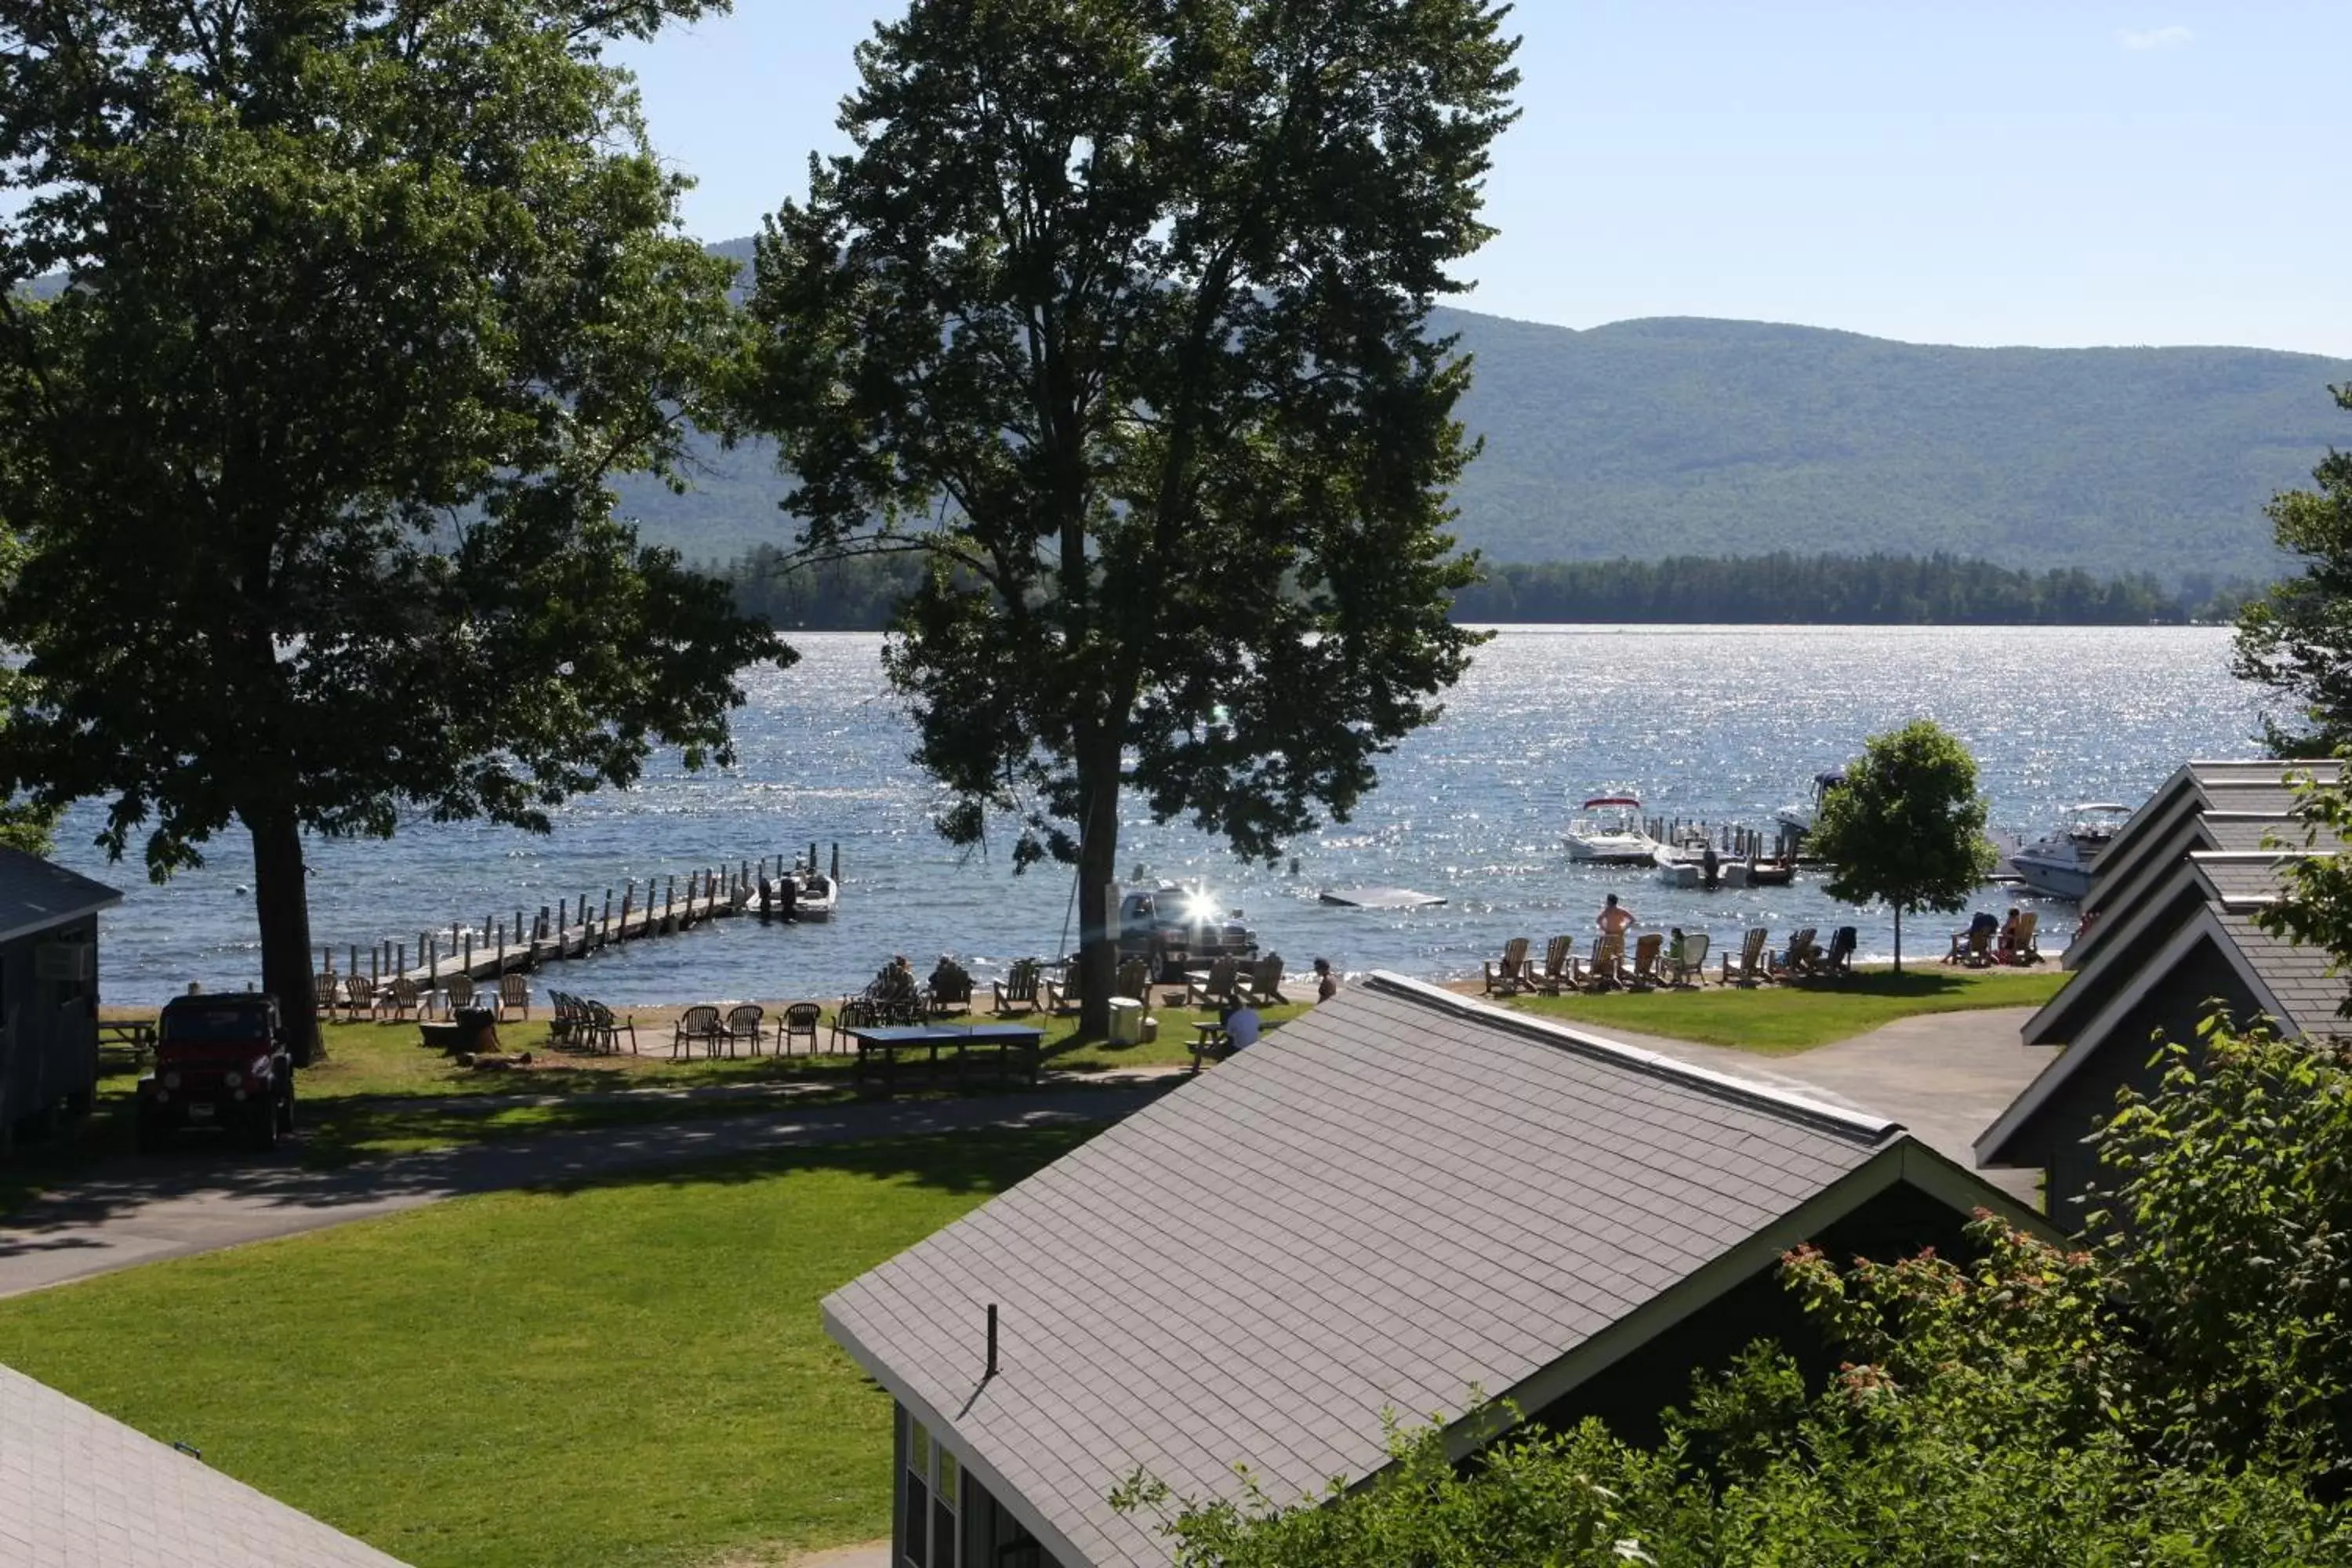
(1609, 831)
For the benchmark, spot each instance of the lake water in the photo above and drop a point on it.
(1719, 723)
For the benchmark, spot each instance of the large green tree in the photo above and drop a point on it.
(23, 824)
(2297, 640)
(1908, 828)
(365, 303)
(1117, 312)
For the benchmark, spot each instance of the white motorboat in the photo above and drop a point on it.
(1608, 831)
(2060, 865)
(814, 895)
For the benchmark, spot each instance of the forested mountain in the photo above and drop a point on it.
(1689, 437)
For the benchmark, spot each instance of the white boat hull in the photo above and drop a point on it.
(1613, 851)
(2064, 879)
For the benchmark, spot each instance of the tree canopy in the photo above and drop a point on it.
(363, 307)
(23, 824)
(1117, 313)
(2297, 640)
(1908, 829)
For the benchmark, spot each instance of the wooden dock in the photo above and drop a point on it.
(574, 929)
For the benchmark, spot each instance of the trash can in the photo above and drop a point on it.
(1126, 1021)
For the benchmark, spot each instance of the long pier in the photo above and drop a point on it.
(570, 929)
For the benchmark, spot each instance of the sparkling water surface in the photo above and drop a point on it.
(1724, 724)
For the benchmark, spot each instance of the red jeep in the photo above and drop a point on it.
(220, 1061)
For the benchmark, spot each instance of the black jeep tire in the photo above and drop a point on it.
(148, 1132)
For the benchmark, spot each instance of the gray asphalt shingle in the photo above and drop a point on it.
(1393, 1200)
(2296, 976)
(79, 1489)
(36, 894)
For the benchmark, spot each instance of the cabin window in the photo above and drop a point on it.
(933, 1484)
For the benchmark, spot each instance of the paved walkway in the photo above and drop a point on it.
(136, 1212)
(1945, 1075)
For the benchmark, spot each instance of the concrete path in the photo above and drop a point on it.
(1945, 1075)
(144, 1210)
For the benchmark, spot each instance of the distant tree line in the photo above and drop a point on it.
(861, 593)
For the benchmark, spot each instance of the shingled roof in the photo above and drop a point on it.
(1395, 1200)
(2252, 788)
(36, 894)
(79, 1489)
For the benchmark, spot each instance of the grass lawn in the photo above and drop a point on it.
(628, 1372)
(379, 1094)
(1778, 1020)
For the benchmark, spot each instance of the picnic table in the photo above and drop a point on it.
(1015, 1047)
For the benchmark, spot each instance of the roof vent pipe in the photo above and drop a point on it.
(991, 1340)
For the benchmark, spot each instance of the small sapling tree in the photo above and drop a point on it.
(1908, 828)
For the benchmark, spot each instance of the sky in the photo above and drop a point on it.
(2057, 173)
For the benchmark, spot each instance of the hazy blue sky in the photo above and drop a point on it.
(2060, 171)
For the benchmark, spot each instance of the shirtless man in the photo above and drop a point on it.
(1616, 919)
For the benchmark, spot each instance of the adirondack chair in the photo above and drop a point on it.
(1646, 973)
(1216, 988)
(605, 1029)
(457, 992)
(1017, 992)
(1837, 961)
(1264, 983)
(2028, 949)
(514, 996)
(1692, 970)
(1748, 969)
(1803, 951)
(1559, 969)
(1134, 980)
(359, 997)
(746, 1021)
(1509, 972)
(326, 992)
(800, 1024)
(400, 998)
(571, 1018)
(1604, 969)
(1973, 948)
(1067, 994)
(699, 1023)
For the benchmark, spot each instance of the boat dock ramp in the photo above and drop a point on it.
(572, 929)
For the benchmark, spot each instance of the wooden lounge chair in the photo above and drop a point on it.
(1134, 980)
(514, 996)
(1264, 983)
(1748, 969)
(1508, 973)
(1017, 992)
(1216, 987)
(2028, 948)
(800, 1024)
(746, 1021)
(604, 1029)
(699, 1023)
(1836, 961)
(1066, 994)
(1602, 971)
(326, 992)
(571, 1018)
(1973, 948)
(457, 992)
(401, 998)
(1558, 970)
(1692, 971)
(359, 997)
(1646, 973)
(1803, 951)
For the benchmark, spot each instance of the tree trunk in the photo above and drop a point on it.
(1898, 939)
(1098, 863)
(281, 901)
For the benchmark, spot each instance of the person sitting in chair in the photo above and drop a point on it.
(1240, 1025)
(2005, 949)
(1327, 985)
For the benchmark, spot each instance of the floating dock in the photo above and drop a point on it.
(1380, 899)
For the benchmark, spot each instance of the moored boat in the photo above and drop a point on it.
(1608, 831)
(2060, 865)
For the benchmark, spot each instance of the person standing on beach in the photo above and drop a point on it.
(1616, 919)
(1327, 985)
